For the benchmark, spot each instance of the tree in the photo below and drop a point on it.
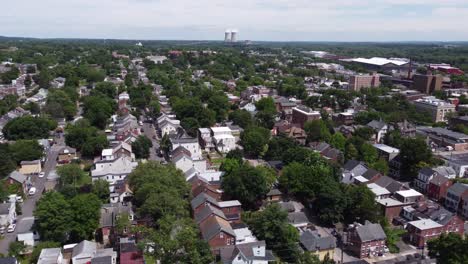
(8, 76)
(85, 138)
(159, 190)
(141, 147)
(106, 88)
(177, 241)
(59, 105)
(317, 130)
(360, 204)
(71, 175)
(122, 223)
(84, 209)
(368, 153)
(7, 163)
(266, 112)
(351, 152)
(449, 249)
(220, 104)
(330, 203)
(154, 109)
(272, 225)
(338, 141)
(191, 126)
(241, 118)
(53, 217)
(247, 184)
(16, 249)
(28, 127)
(412, 152)
(26, 150)
(98, 109)
(44, 78)
(380, 165)
(166, 144)
(33, 107)
(255, 140)
(101, 189)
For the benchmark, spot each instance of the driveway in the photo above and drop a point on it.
(30, 201)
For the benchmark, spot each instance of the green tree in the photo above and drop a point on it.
(98, 109)
(84, 209)
(141, 147)
(53, 217)
(317, 130)
(154, 109)
(16, 249)
(351, 152)
(85, 138)
(247, 184)
(71, 175)
(191, 126)
(101, 189)
(338, 141)
(413, 151)
(59, 105)
(166, 144)
(449, 249)
(368, 153)
(28, 127)
(106, 88)
(381, 165)
(271, 225)
(25, 150)
(241, 118)
(255, 140)
(361, 204)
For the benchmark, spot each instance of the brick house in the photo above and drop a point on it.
(455, 195)
(232, 209)
(421, 231)
(367, 240)
(438, 187)
(217, 232)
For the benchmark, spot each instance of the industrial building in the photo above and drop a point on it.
(357, 82)
(438, 109)
(427, 83)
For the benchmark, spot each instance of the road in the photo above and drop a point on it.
(150, 132)
(30, 201)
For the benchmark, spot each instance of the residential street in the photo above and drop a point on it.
(30, 201)
(150, 133)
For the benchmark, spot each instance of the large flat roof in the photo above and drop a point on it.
(380, 61)
(424, 224)
(409, 193)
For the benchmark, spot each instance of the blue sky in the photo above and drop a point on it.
(270, 20)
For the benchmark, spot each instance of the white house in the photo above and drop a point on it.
(113, 170)
(248, 253)
(380, 128)
(7, 214)
(50, 255)
(223, 139)
(189, 143)
(169, 126)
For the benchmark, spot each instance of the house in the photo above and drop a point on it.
(247, 253)
(25, 232)
(206, 213)
(185, 161)
(129, 252)
(205, 139)
(345, 118)
(274, 195)
(83, 252)
(122, 192)
(231, 209)
(223, 139)
(379, 192)
(7, 214)
(181, 139)
(168, 126)
(30, 167)
(123, 149)
(16, 177)
(421, 231)
(302, 114)
(112, 170)
(380, 129)
(298, 219)
(464, 210)
(217, 232)
(425, 175)
(367, 240)
(51, 256)
(322, 246)
(408, 196)
(353, 169)
(327, 151)
(370, 176)
(438, 187)
(406, 128)
(66, 154)
(455, 195)
(390, 207)
(243, 234)
(386, 152)
(391, 185)
(109, 214)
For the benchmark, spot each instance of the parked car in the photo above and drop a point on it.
(19, 199)
(41, 174)
(2, 229)
(32, 191)
(11, 228)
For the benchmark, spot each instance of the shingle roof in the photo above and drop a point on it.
(85, 246)
(206, 212)
(297, 218)
(377, 125)
(201, 198)
(370, 232)
(8, 260)
(370, 173)
(17, 176)
(228, 253)
(214, 226)
(458, 188)
(313, 241)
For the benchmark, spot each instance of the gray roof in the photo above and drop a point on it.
(356, 167)
(426, 171)
(274, 191)
(376, 125)
(445, 171)
(287, 206)
(102, 260)
(110, 211)
(84, 247)
(213, 226)
(206, 212)
(4, 208)
(8, 260)
(370, 173)
(458, 188)
(297, 218)
(370, 232)
(228, 253)
(201, 198)
(391, 185)
(312, 241)
(17, 176)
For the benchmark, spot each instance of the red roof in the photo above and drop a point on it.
(132, 258)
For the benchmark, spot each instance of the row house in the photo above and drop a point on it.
(438, 187)
(455, 195)
(426, 174)
(367, 240)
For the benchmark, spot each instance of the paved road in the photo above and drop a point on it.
(30, 202)
(150, 133)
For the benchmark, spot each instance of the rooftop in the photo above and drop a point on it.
(409, 193)
(424, 224)
(386, 148)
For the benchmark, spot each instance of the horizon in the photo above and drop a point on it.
(256, 20)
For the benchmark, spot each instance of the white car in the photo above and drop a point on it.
(11, 228)
(41, 174)
(32, 191)
(2, 230)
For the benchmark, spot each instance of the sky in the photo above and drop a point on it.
(266, 20)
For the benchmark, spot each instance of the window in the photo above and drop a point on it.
(221, 235)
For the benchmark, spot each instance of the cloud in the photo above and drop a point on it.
(354, 20)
